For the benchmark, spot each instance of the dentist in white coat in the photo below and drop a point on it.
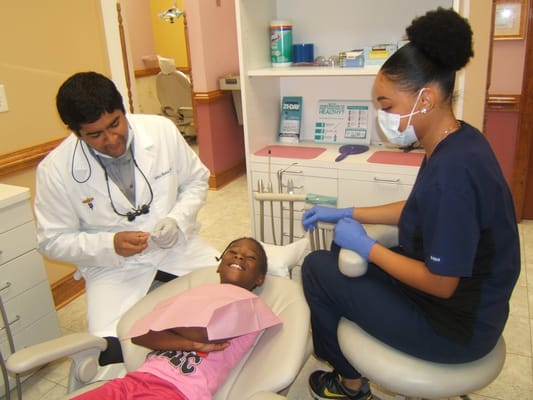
(119, 199)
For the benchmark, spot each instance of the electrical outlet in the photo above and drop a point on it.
(3, 99)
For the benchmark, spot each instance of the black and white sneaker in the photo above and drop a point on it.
(328, 385)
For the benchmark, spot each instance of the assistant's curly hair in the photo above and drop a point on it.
(443, 36)
(440, 43)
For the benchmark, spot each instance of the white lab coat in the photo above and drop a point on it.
(76, 224)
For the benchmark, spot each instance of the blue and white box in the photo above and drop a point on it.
(290, 119)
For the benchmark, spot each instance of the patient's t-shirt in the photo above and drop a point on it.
(198, 376)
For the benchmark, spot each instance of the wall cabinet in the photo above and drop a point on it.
(341, 25)
(24, 287)
(354, 181)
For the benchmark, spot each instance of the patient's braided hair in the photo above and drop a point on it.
(263, 260)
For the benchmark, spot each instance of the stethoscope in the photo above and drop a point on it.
(130, 215)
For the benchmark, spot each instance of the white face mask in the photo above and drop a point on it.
(390, 125)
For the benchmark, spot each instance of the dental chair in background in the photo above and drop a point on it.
(174, 93)
(269, 368)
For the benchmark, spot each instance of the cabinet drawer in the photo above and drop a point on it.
(377, 177)
(353, 193)
(21, 274)
(302, 179)
(26, 308)
(17, 241)
(14, 215)
(43, 329)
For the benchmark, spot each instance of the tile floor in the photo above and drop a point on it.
(226, 216)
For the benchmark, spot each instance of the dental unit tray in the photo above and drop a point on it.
(309, 198)
(282, 200)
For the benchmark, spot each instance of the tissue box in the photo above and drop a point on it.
(352, 58)
(376, 55)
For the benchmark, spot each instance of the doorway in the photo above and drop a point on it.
(147, 35)
(522, 186)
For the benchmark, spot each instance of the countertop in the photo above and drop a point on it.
(400, 161)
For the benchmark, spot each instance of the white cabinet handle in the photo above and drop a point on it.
(6, 286)
(285, 234)
(17, 318)
(397, 180)
(299, 210)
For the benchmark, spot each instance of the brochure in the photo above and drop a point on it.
(290, 119)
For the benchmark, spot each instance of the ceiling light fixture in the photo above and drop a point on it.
(171, 14)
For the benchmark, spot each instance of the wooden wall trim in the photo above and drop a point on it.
(25, 158)
(30, 156)
(221, 179)
(210, 96)
(141, 73)
(504, 102)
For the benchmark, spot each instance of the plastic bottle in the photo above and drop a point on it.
(281, 43)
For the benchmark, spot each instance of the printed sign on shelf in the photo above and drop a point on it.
(343, 121)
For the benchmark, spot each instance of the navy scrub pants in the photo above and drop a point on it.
(376, 303)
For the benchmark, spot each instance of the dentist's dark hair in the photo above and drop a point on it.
(84, 97)
(440, 43)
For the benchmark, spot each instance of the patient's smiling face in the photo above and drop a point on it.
(242, 264)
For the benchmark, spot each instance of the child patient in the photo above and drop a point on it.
(184, 365)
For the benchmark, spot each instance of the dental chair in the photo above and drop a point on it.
(270, 367)
(404, 375)
(174, 93)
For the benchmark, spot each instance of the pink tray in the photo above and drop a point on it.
(302, 152)
(397, 158)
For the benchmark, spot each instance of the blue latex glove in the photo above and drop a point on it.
(350, 234)
(325, 214)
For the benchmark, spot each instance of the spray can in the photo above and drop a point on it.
(281, 43)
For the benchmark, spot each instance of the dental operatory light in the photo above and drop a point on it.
(171, 14)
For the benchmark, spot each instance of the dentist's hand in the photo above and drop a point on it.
(325, 214)
(351, 235)
(129, 243)
(165, 233)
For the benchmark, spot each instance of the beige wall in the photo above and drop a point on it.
(43, 42)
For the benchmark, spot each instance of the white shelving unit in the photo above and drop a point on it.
(337, 26)
(371, 70)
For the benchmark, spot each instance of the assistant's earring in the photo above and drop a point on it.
(424, 111)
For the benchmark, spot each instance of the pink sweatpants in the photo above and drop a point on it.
(133, 386)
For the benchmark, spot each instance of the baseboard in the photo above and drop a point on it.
(66, 290)
(219, 180)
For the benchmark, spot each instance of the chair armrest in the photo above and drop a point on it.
(387, 235)
(266, 396)
(29, 358)
(352, 264)
(82, 348)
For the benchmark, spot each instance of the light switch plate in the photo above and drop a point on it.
(3, 99)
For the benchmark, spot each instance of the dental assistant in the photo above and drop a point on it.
(443, 294)
(119, 198)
